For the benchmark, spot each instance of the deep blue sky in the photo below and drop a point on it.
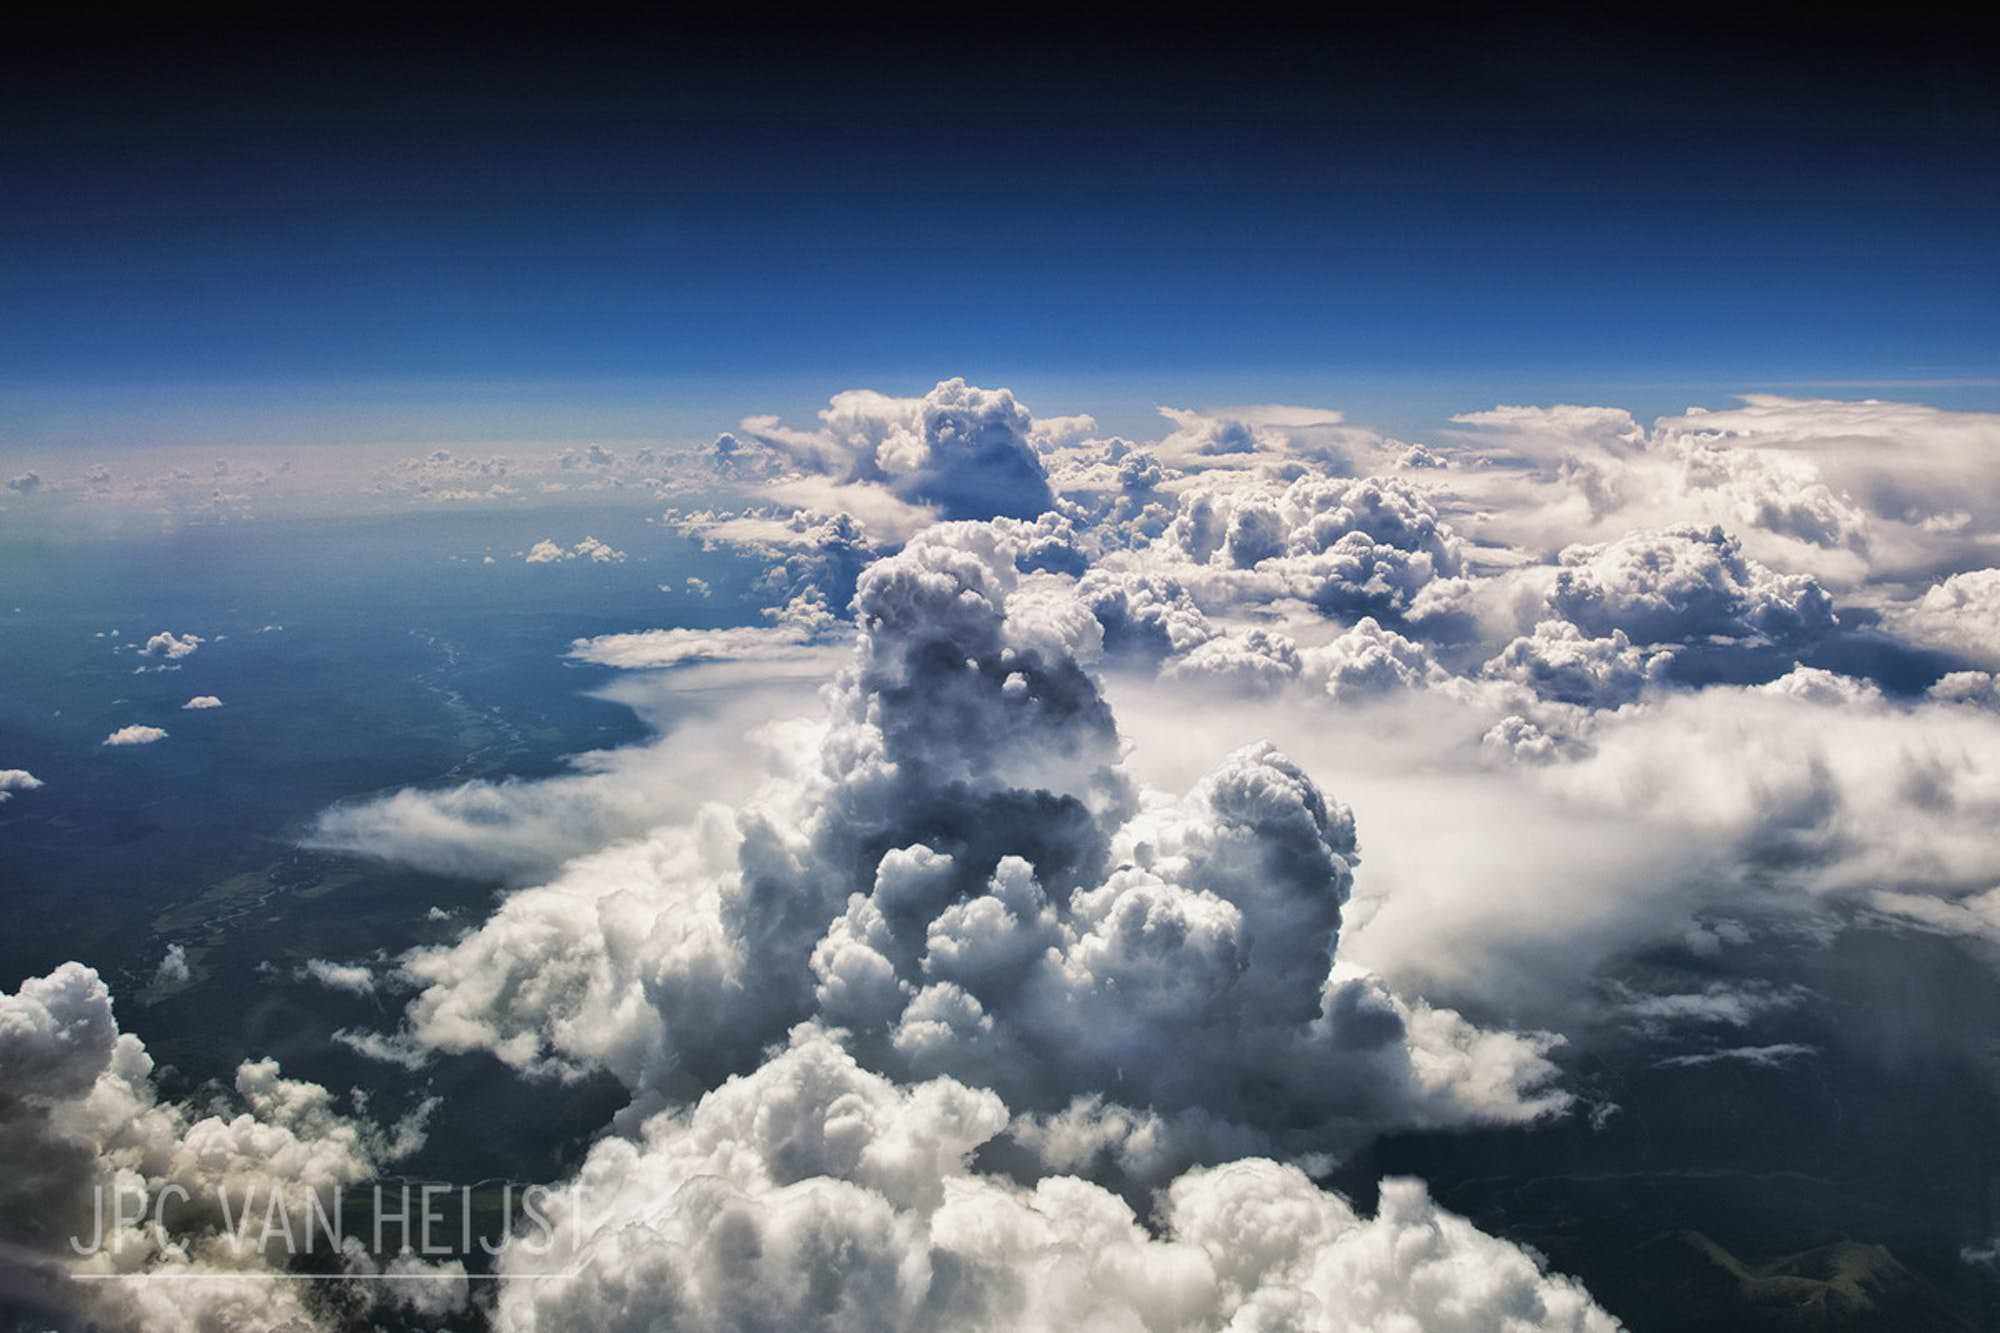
(1460, 196)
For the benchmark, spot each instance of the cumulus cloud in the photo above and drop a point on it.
(170, 646)
(1558, 662)
(960, 451)
(1255, 661)
(813, 1192)
(1369, 661)
(806, 549)
(952, 870)
(1917, 467)
(546, 552)
(1959, 615)
(201, 702)
(1276, 436)
(1685, 583)
(136, 734)
(1979, 688)
(17, 779)
(1346, 548)
(81, 1115)
(1801, 798)
(1847, 490)
(173, 969)
(896, 891)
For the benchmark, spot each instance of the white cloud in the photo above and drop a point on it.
(546, 552)
(394, 1050)
(1959, 615)
(173, 648)
(173, 968)
(201, 702)
(1846, 490)
(1979, 688)
(980, 891)
(960, 450)
(1559, 662)
(1685, 583)
(135, 734)
(349, 977)
(1772, 1056)
(85, 1115)
(1369, 661)
(1623, 828)
(801, 630)
(717, 744)
(881, 895)
(813, 1185)
(17, 779)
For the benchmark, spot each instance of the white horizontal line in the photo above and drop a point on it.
(321, 1277)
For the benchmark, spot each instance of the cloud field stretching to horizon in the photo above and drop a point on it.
(1216, 675)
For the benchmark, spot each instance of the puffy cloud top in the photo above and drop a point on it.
(1960, 615)
(82, 1112)
(814, 1194)
(166, 644)
(964, 451)
(1685, 583)
(1558, 662)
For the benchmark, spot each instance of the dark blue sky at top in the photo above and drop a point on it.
(229, 205)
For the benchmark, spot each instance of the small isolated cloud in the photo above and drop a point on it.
(546, 552)
(173, 969)
(349, 977)
(135, 735)
(16, 779)
(201, 702)
(25, 484)
(166, 644)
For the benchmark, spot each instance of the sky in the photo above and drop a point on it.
(209, 213)
(1171, 675)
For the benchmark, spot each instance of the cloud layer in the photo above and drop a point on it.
(1094, 840)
